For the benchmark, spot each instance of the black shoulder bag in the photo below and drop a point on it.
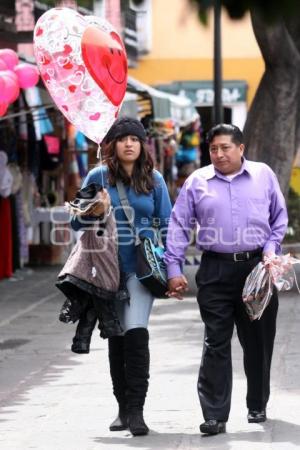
(151, 270)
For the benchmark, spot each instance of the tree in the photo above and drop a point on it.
(272, 129)
(269, 11)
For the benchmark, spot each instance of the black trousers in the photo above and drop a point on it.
(220, 285)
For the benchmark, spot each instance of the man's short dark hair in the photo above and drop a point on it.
(226, 128)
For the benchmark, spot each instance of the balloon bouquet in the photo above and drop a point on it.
(13, 76)
(82, 61)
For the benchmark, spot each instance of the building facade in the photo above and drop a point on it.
(180, 57)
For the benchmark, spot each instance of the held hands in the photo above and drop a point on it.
(177, 286)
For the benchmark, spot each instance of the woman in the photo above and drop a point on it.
(127, 159)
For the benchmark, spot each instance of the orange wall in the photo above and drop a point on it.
(182, 48)
(157, 71)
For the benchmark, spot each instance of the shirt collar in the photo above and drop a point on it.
(210, 171)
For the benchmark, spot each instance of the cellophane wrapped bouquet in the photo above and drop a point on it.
(273, 271)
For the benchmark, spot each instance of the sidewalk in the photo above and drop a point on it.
(52, 399)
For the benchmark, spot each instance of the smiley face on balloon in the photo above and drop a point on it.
(105, 58)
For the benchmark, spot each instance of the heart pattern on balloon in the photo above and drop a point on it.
(82, 61)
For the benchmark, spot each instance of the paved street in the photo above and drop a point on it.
(52, 399)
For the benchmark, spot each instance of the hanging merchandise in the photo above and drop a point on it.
(188, 151)
(42, 123)
(52, 144)
(50, 152)
(15, 234)
(82, 61)
(6, 181)
(16, 214)
(6, 254)
(73, 175)
(24, 247)
(17, 177)
(162, 144)
(81, 146)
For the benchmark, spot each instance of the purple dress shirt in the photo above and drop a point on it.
(241, 214)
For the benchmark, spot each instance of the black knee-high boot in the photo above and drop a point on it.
(117, 372)
(137, 360)
(84, 330)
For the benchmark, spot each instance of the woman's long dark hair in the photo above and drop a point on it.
(142, 176)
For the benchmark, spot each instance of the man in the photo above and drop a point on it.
(241, 217)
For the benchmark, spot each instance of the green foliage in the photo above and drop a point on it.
(270, 10)
(53, 3)
(293, 205)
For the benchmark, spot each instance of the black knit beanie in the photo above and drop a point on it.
(125, 126)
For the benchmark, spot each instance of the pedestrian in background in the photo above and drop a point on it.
(127, 159)
(242, 217)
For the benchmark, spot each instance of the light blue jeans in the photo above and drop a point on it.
(136, 313)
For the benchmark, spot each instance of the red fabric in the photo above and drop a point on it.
(6, 264)
(52, 144)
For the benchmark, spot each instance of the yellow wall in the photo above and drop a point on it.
(295, 179)
(182, 48)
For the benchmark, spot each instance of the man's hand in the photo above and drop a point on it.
(269, 254)
(268, 257)
(177, 286)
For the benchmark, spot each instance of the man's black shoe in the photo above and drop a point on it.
(255, 416)
(213, 427)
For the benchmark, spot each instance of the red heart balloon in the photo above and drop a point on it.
(106, 61)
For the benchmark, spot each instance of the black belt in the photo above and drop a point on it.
(236, 257)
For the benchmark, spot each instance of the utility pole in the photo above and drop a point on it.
(218, 107)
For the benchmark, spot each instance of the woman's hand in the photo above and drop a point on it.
(101, 206)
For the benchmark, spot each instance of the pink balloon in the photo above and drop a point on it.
(10, 57)
(2, 85)
(10, 74)
(28, 75)
(3, 108)
(11, 90)
(3, 66)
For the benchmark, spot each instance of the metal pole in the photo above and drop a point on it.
(28, 111)
(218, 107)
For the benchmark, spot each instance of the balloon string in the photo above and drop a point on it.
(99, 156)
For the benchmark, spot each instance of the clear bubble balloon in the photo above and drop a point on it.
(82, 61)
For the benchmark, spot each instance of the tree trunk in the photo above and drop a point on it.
(293, 26)
(272, 129)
